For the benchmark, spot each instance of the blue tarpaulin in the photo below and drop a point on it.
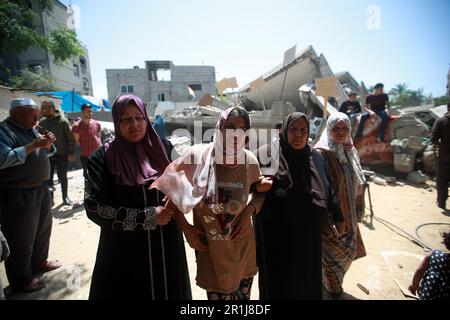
(106, 104)
(159, 126)
(72, 101)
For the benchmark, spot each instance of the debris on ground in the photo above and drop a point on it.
(363, 289)
(416, 177)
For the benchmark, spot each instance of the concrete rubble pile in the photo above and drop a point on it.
(277, 97)
(408, 126)
(409, 131)
(411, 144)
(406, 151)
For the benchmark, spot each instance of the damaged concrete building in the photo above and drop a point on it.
(282, 83)
(73, 74)
(286, 88)
(292, 86)
(162, 84)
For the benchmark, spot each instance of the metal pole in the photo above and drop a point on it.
(325, 111)
(284, 82)
(262, 99)
(370, 203)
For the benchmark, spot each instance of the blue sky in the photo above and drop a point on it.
(248, 37)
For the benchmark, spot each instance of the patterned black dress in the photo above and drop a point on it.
(136, 259)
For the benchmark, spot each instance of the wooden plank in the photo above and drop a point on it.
(326, 87)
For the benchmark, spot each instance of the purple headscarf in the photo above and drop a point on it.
(135, 164)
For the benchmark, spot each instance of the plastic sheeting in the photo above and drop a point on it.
(72, 101)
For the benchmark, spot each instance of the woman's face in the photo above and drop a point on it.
(132, 124)
(339, 133)
(298, 134)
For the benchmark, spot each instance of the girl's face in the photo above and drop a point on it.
(298, 134)
(132, 124)
(340, 131)
(233, 134)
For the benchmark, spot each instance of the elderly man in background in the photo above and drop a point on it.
(65, 146)
(26, 218)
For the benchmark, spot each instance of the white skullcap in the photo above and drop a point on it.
(22, 102)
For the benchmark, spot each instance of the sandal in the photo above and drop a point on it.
(34, 285)
(48, 266)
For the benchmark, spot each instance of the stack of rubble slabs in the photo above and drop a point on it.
(405, 153)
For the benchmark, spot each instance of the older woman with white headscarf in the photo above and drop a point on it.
(344, 244)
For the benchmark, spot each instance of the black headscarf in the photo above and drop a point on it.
(297, 169)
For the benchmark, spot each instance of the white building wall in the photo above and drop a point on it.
(66, 75)
(116, 78)
(175, 90)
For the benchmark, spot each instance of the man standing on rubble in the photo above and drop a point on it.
(378, 103)
(440, 137)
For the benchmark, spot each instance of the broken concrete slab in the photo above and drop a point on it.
(380, 181)
(416, 177)
(404, 163)
(210, 111)
(429, 161)
(415, 145)
(209, 100)
(399, 145)
(390, 179)
(283, 81)
(439, 111)
(280, 109)
(407, 126)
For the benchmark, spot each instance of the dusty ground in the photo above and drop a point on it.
(388, 266)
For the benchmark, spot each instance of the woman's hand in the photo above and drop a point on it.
(165, 214)
(264, 184)
(191, 233)
(340, 227)
(242, 224)
(413, 289)
(169, 204)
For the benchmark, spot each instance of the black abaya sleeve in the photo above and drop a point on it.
(100, 206)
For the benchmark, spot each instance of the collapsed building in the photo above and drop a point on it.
(277, 96)
(282, 82)
(291, 87)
